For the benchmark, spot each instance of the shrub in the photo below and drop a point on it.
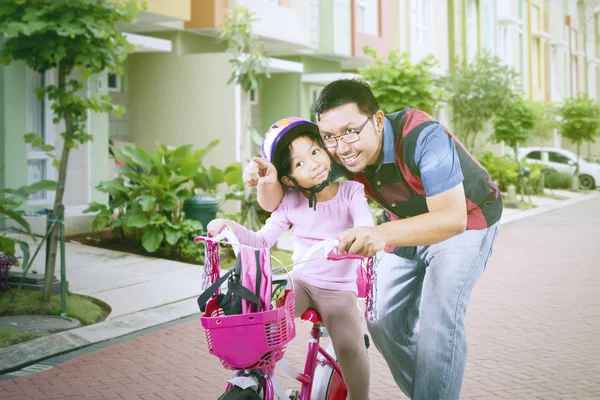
(146, 199)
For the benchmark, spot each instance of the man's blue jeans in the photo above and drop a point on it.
(432, 285)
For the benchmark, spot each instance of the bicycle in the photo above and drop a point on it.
(266, 334)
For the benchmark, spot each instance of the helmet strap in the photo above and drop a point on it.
(312, 192)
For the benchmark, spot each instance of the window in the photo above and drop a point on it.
(420, 27)
(114, 82)
(535, 155)
(253, 96)
(504, 44)
(39, 164)
(536, 49)
(573, 54)
(554, 93)
(488, 26)
(558, 158)
(367, 17)
(472, 30)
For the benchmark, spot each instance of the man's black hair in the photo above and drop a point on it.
(345, 91)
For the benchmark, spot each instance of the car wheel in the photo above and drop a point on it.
(586, 182)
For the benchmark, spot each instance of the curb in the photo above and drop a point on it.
(27, 353)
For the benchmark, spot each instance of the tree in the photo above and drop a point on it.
(545, 125)
(248, 57)
(580, 122)
(513, 127)
(73, 36)
(480, 90)
(397, 83)
(250, 65)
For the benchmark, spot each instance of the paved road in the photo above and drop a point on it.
(533, 326)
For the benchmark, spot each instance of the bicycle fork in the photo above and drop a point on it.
(314, 348)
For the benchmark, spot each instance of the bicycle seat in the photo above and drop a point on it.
(312, 316)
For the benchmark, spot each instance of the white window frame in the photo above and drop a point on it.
(472, 27)
(554, 90)
(420, 36)
(504, 48)
(48, 132)
(362, 4)
(370, 12)
(488, 24)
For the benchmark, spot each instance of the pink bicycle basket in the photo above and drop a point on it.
(249, 341)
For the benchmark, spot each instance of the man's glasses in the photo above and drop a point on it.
(350, 136)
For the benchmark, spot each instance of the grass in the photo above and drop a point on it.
(521, 205)
(283, 255)
(10, 336)
(29, 302)
(554, 196)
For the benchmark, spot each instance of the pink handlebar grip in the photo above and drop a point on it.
(333, 256)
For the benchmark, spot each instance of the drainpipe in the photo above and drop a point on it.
(238, 122)
(585, 43)
(451, 35)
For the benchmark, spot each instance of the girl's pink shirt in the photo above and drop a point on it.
(347, 209)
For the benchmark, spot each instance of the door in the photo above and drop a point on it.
(560, 162)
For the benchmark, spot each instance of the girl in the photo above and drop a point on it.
(294, 146)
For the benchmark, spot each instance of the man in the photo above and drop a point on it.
(442, 213)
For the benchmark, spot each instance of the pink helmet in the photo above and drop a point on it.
(282, 133)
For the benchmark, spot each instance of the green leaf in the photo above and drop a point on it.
(138, 220)
(191, 169)
(7, 245)
(17, 218)
(25, 250)
(182, 151)
(139, 156)
(202, 181)
(172, 235)
(41, 186)
(216, 175)
(199, 154)
(31, 138)
(147, 202)
(233, 176)
(94, 207)
(158, 220)
(119, 110)
(115, 184)
(152, 238)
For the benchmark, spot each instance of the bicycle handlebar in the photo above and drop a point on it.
(328, 246)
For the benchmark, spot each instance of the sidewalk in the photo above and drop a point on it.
(145, 292)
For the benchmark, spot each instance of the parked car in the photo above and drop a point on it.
(593, 160)
(563, 161)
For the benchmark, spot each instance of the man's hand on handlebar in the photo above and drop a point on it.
(362, 240)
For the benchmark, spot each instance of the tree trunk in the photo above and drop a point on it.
(521, 180)
(542, 178)
(473, 142)
(58, 209)
(575, 179)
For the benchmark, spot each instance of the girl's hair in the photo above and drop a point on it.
(284, 166)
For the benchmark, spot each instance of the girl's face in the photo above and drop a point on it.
(310, 163)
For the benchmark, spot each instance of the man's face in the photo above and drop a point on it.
(347, 120)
